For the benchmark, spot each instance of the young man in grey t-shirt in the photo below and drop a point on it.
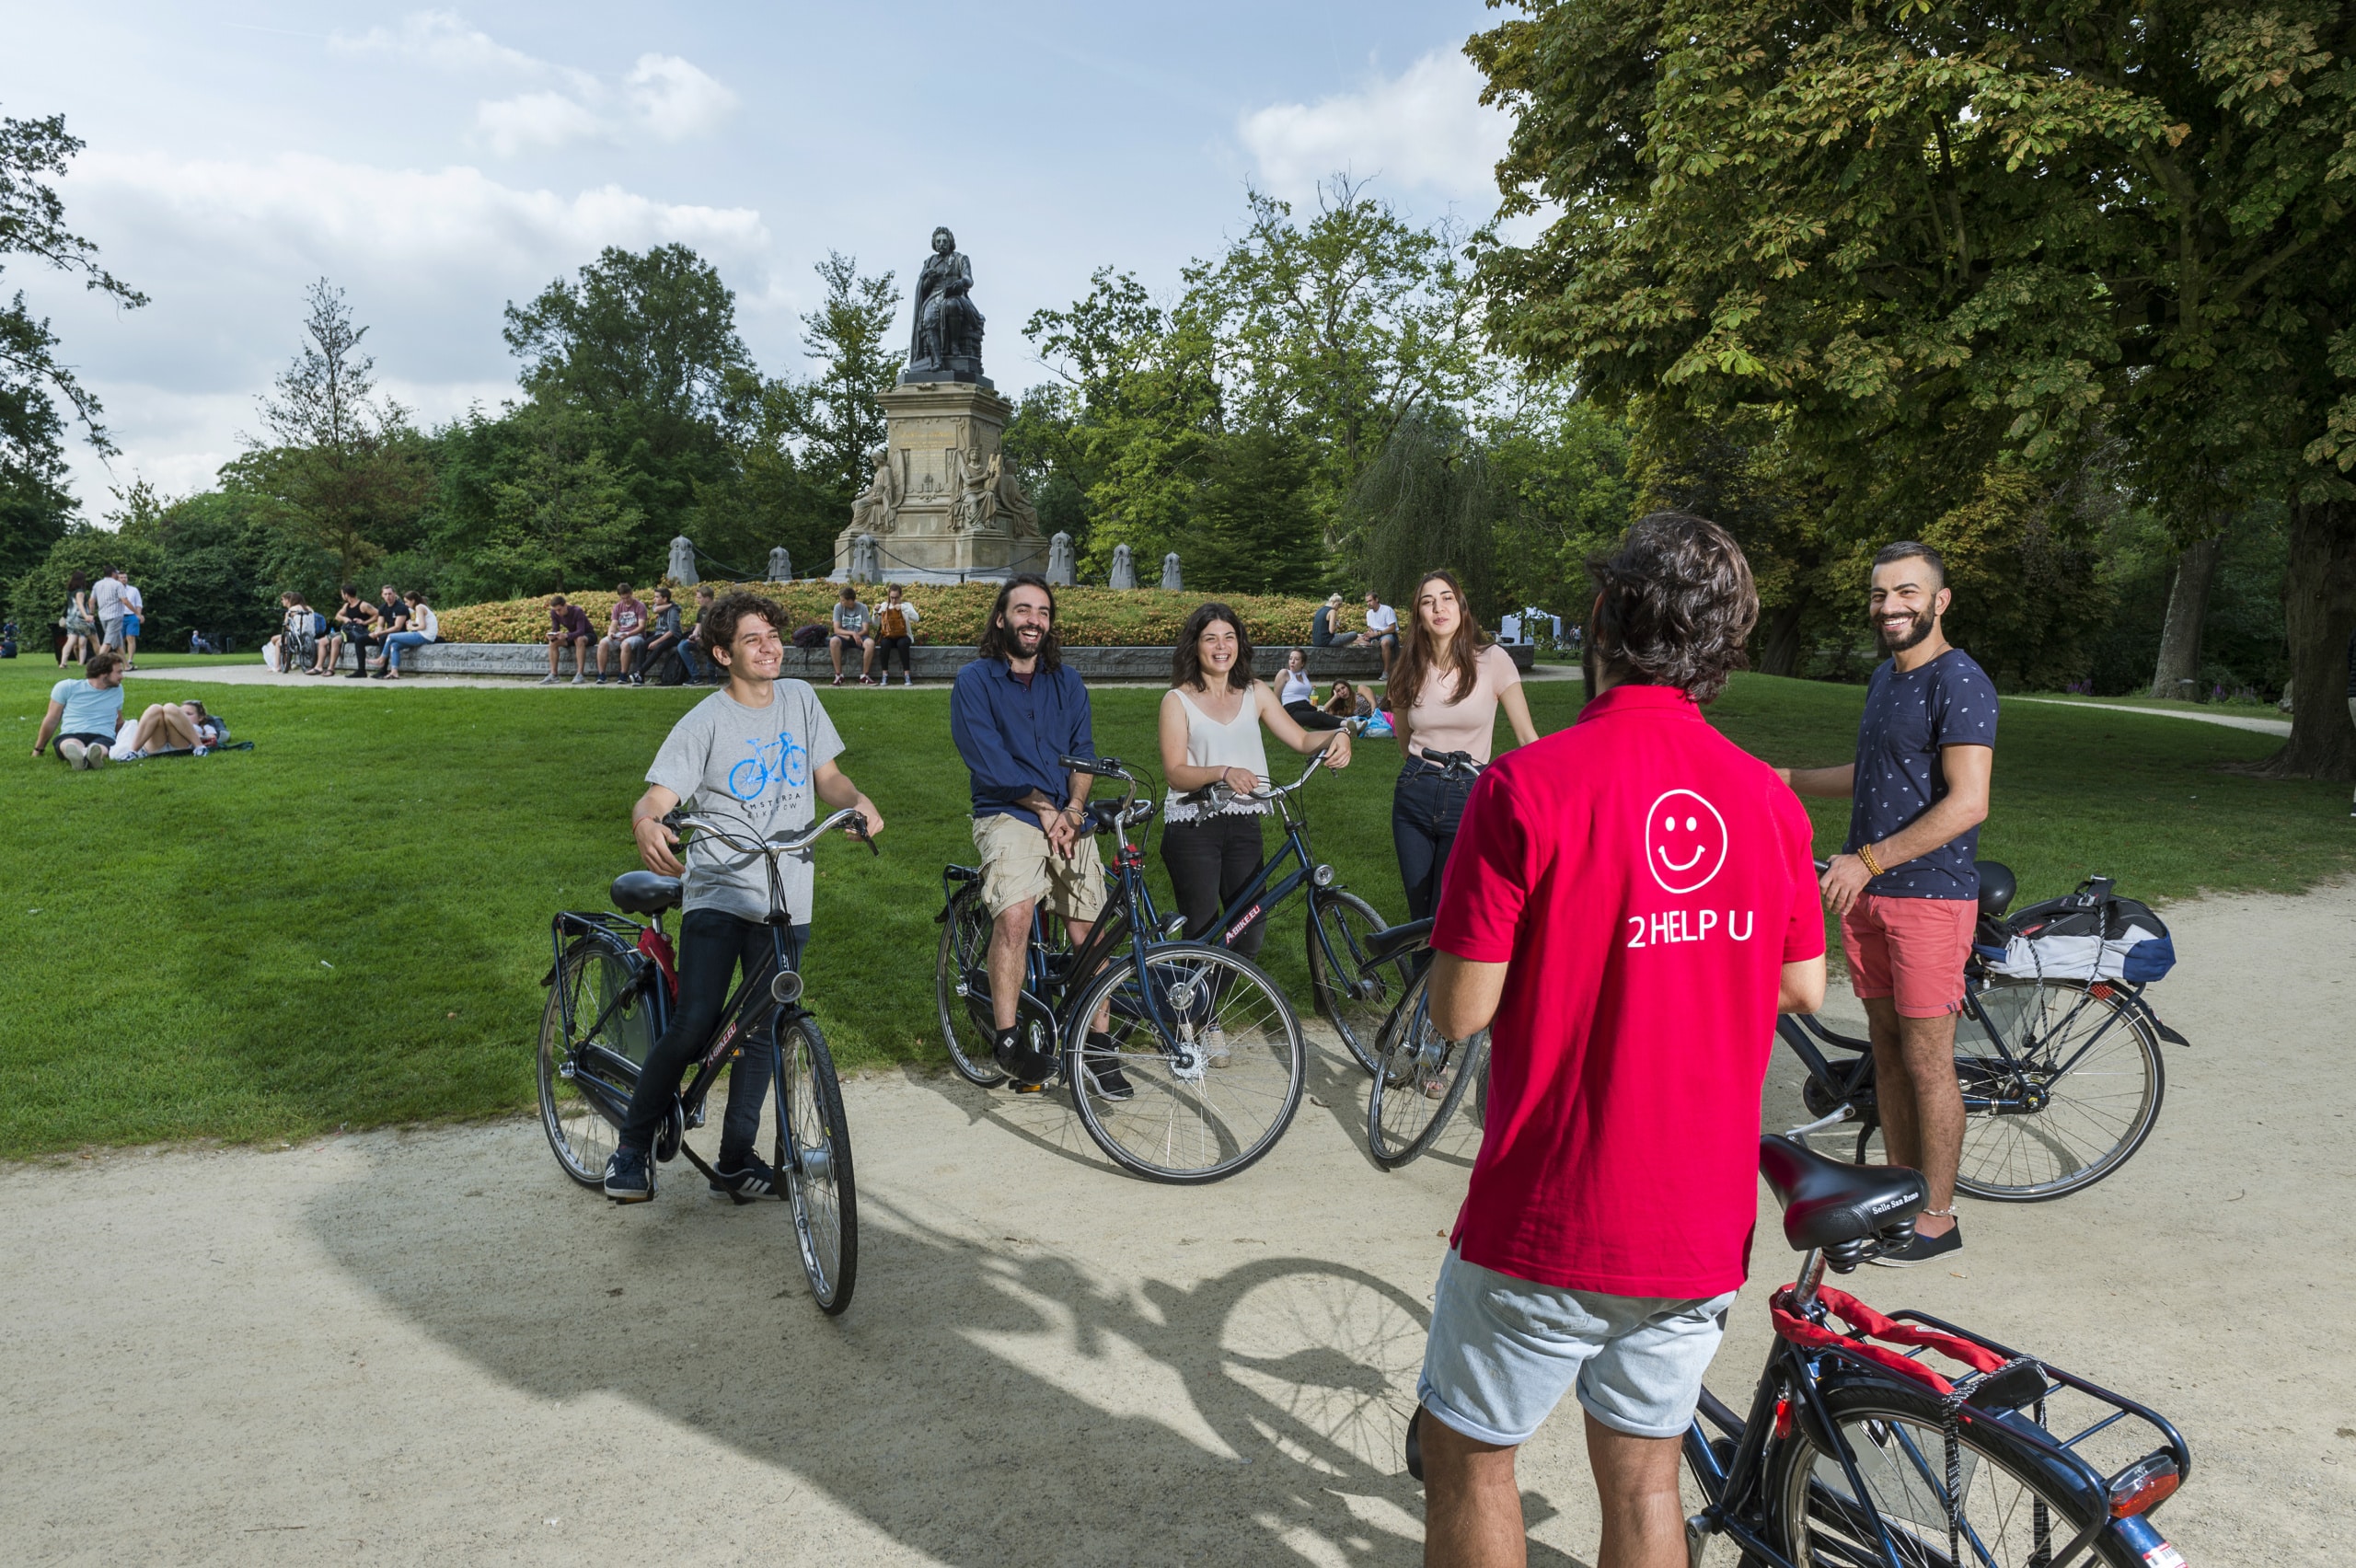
(757, 754)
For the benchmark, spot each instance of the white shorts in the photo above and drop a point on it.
(1504, 1352)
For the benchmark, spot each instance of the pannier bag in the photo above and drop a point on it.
(2090, 935)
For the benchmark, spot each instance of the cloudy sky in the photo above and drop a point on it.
(437, 164)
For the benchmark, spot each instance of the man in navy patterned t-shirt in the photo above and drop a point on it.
(1906, 885)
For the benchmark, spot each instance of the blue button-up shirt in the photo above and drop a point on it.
(1014, 738)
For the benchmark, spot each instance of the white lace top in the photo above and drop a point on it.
(1210, 744)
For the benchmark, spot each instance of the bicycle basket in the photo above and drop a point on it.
(2089, 935)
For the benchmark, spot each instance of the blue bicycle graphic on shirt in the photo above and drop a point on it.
(781, 761)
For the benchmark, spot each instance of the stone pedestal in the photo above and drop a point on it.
(947, 525)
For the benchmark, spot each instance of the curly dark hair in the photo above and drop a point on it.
(1674, 607)
(999, 643)
(719, 623)
(1186, 659)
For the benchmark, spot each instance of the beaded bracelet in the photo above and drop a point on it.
(1865, 853)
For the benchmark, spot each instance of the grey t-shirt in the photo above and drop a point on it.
(749, 768)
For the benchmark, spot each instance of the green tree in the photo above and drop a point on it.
(839, 413)
(1431, 499)
(561, 517)
(1256, 532)
(1945, 235)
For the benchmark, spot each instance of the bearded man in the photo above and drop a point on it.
(1906, 884)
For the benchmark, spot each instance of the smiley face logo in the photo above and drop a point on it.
(1685, 841)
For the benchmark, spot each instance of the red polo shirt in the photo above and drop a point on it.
(1646, 879)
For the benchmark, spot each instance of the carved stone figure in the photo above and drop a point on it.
(945, 342)
(866, 559)
(1022, 517)
(683, 562)
(976, 486)
(1125, 568)
(1062, 571)
(1169, 578)
(780, 565)
(877, 508)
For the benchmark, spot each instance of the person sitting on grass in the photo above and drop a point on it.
(84, 714)
(170, 727)
(420, 626)
(1298, 694)
(625, 635)
(778, 727)
(568, 625)
(665, 638)
(850, 631)
(1348, 703)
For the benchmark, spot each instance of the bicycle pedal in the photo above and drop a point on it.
(1027, 1088)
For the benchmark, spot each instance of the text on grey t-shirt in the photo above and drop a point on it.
(751, 768)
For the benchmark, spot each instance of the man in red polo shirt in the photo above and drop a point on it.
(1630, 903)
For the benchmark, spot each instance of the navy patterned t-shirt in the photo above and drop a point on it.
(1949, 701)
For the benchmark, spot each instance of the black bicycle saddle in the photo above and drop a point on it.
(1827, 1203)
(1103, 816)
(1997, 886)
(643, 893)
(1392, 941)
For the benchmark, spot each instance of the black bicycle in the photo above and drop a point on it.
(2062, 1078)
(1856, 1452)
(1206, 1056)
(610, 993)
(1352, 988)
(1421, 1077)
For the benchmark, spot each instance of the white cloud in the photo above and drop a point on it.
(441, 40)
(674, 100)
(1425, 127)
(534, 119)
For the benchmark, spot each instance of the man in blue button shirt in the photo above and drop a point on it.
(1015, 712)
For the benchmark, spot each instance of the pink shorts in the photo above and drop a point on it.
(1911, 950)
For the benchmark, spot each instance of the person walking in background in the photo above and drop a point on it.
(1321, 624)
(1906, 883)
(696, 647)
(1298, 694)
(78, 621)
(106, 598)
(419, 627)
(1444, 695)
(895, 631)
(84, 714)
(664, 637)
(1382, 632)
(850, 631)
(1210, 735)
(567, 628)
(134, 612)
(1607, 1222)
(625, 635)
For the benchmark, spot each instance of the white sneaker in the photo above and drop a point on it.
(548, 680)
(138, 757)
(578, 681)
(911, 680)
(75, 752)
(95, 757)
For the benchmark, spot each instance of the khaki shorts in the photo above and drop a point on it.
(1018, 866)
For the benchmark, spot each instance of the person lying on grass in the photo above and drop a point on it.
(759, 753)
(88, 711)
(169, 727)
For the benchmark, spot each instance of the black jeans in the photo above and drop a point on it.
(886, 646)
(1210, 861)
(711, 944)
(1309, 716)
(1426, 806)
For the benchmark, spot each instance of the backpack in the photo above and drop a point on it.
(2088, 934)
(810, 635)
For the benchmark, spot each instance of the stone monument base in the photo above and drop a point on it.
(943, 435)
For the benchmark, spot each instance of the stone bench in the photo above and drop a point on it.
(933, 662)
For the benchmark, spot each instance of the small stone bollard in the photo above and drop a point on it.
(683, 562)
(1063, 571)
(1125, 568)
(1170, 581)
(781, 566)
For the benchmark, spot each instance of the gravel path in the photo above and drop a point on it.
(2231, 721)
(414, 1347)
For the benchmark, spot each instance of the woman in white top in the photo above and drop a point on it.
(1445, 695)
(1296, 693)
(1210, 734)
(424, 626)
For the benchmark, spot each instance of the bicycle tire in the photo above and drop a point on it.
(1345, 919)
(1895, 1432)
(964, 945)
(2097, 1114)
(813, 1160)
(1420, 1083)
(581, 1131)
(1186, 1122)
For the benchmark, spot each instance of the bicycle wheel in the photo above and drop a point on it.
(2086, 1061)
(2006, 1519)
(1419, 1084)
(813, 1156)
(1354, 1003)
(588, 1068)
(964, 948)
(1187, 1119)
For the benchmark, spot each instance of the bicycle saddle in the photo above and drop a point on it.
(1392, 941)
(1997, 886)
(643, 893)
(1103, 816)
(1827, 1203)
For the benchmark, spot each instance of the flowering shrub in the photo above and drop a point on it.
(1085, 617)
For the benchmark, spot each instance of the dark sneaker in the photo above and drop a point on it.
(746, 1179)
(630, 1176)
(1922, 1249)
(1103, 1068)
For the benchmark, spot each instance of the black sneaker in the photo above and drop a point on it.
(1922, 1249)
(630, 1176)
(746, 1179)
(1103, 1068)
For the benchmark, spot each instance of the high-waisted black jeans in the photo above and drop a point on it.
(887, 646)
(711, 944)
(1210, 862)
(1426, 806)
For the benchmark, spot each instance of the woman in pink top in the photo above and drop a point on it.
(1445, 694)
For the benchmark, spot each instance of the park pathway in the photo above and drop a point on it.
(2232, 720)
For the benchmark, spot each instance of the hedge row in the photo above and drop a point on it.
(951, 613)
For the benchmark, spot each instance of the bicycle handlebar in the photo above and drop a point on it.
(851, 819)
(1454, 765)
(1217, 793)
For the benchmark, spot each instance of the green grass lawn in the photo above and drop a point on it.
(347, 926)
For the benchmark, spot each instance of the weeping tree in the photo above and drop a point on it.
(1431, 499)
